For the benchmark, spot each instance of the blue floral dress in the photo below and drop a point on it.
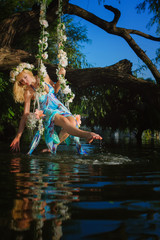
(51, 106)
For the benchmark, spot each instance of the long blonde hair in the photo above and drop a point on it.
(19, 89)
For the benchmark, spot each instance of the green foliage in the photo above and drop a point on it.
(76, 36)
(153, 6)
(10, 111)
(117, 108)
(8, 7)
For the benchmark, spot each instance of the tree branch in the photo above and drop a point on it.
(116, 12)
(142, 34)
(13, 27)
(119, 74)
(112, 29)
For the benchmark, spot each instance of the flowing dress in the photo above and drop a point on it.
(51, 106)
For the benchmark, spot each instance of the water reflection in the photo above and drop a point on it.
(42, 193)
(109, 194)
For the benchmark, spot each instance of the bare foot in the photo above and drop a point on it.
(45, 150)
(93, 136)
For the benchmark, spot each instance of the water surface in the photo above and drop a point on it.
(111, 193)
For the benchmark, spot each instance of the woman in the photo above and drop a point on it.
(56, 114)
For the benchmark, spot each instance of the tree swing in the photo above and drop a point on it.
(66, 92)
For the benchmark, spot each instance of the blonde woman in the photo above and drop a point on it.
(54, 112)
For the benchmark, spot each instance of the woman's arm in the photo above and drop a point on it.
(15, 145)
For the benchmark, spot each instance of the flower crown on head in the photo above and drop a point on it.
(16, 71)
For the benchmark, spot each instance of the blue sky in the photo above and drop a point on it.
(106, 49)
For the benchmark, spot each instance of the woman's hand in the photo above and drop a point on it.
(62, 71)
(15, 145)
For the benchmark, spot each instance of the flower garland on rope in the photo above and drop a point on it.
(42, 45)
(42, 55)
(62, 57)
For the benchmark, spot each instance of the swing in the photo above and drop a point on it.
(65, 90)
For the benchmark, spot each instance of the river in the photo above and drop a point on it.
(112, 193)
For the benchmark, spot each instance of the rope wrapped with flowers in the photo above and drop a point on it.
(62, 58)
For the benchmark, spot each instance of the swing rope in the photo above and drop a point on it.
(42, 55)
(67, 94)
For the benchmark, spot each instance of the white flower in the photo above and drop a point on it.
(31, 121)
(63, 26)
(66, 90)
(62, 53)
(64, 38)
(45, 55)
(43, 70)
(40, 126)
(70, 100)
(45, 39)
(44, 23)
(43, 6)
(61, 79)
(19, 69)
(46, 33)
(12, 74)
(63, 62)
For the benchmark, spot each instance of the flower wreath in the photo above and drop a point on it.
(16, 71)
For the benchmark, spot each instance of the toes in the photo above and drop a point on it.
(94, 137)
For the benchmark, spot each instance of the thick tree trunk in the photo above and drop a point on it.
(119, 74)
(10, 58)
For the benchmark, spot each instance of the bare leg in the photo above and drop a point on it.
(62, 136)
(63, 133)
(69, 125)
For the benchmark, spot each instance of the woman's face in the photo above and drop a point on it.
(26, 79)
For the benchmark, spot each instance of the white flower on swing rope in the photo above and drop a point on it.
(70, 100)
(61, 79)
(44, 23)
(43, 6)
(46, 33)
(45, 39)
(66, 90)
(64, 38)
(43, 70)
(62, 53)
(45, 55)
(63, 62)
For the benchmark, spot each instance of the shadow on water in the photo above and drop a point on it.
(111, 193)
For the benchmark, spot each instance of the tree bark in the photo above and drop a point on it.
(119, 74)
(10, 58)
(13, 27)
